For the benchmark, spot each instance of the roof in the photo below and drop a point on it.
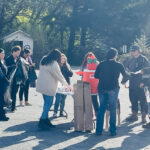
(17, 32)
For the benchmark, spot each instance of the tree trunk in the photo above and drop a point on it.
(71, 44)
(83, 36)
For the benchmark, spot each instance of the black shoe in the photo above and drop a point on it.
(147, 126)
(62, 115)
(50, 124)
(43, 124)
(98, 133)
(4, 118)
(132, 118)
(113, 134)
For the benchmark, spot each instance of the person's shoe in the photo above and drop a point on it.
(55, 114)
(27, 104)
(113, 134)
(4, 118)
(143, 117)
(147, 126)
(43, 124)
(21, 103)
(132, 118)
(62, 115)
(98, 134)
(49, 123)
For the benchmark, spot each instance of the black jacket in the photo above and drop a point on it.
(67, 73)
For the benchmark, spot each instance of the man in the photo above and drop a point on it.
(108, 74)
(137, 93)
(11, 63)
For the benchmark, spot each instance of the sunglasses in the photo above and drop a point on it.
(89, 61)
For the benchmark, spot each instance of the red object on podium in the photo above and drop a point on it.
(88, 74)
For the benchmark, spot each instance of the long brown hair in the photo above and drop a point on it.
(84, 62)
(66, 62)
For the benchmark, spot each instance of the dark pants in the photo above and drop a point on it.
(14, 90)
(2, 111)
(138, 95)
(24, 90)
(95, 103)
(107, 98)
(60, 101)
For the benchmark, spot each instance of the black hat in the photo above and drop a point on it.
(135, 48)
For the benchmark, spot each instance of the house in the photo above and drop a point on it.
(24, 39)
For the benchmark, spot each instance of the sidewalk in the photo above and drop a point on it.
(21, 132)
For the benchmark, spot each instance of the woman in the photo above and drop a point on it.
(93, 96)
(24, 88)
(60, 98)
(3, 83)
(47, 82)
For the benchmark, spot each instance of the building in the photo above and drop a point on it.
(24, 39)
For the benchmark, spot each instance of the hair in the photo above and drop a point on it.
(27, 51)
(1, 50)
(54, 55)
(84, 62)
(66, 62)
(111, 53)
(16, 48)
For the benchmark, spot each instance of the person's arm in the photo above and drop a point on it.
(56, 72)
(68, 71)
(124, 74)
(97, 72)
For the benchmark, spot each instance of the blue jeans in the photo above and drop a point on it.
(60, 101)
(107, 98)
(48, 101)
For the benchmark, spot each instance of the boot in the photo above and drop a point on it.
(133, 117)
(50, 124)
(43, 124)
(143, 117)
(4, 118)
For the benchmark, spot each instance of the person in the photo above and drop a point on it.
(24, 88)
(47, 82)
(108, 73)
(136, 94)
(3, 82)
(11, 63)
(60, 98)
(93, 96)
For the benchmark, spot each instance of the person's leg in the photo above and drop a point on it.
(21, 91)
(57, 102)
(48, 101)
(44, 122)
(95, 103)
(26, 93)
(143, 104)
(112, 101)
(14, 90)
(134, 105)
(62, 104)
(103, 98)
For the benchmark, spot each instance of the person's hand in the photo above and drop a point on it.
(69, 87)
(141, 85)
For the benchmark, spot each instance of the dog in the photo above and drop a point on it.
(107, 115)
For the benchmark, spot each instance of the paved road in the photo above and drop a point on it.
(21, 132)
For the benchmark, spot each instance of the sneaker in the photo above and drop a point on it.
(132, 118)
(143, 120)
(146, 125)
(50, 124)
(55, 114)
(27, 104)
(43, 124)
(21, 103)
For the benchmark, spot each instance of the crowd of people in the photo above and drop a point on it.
(17, 72)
